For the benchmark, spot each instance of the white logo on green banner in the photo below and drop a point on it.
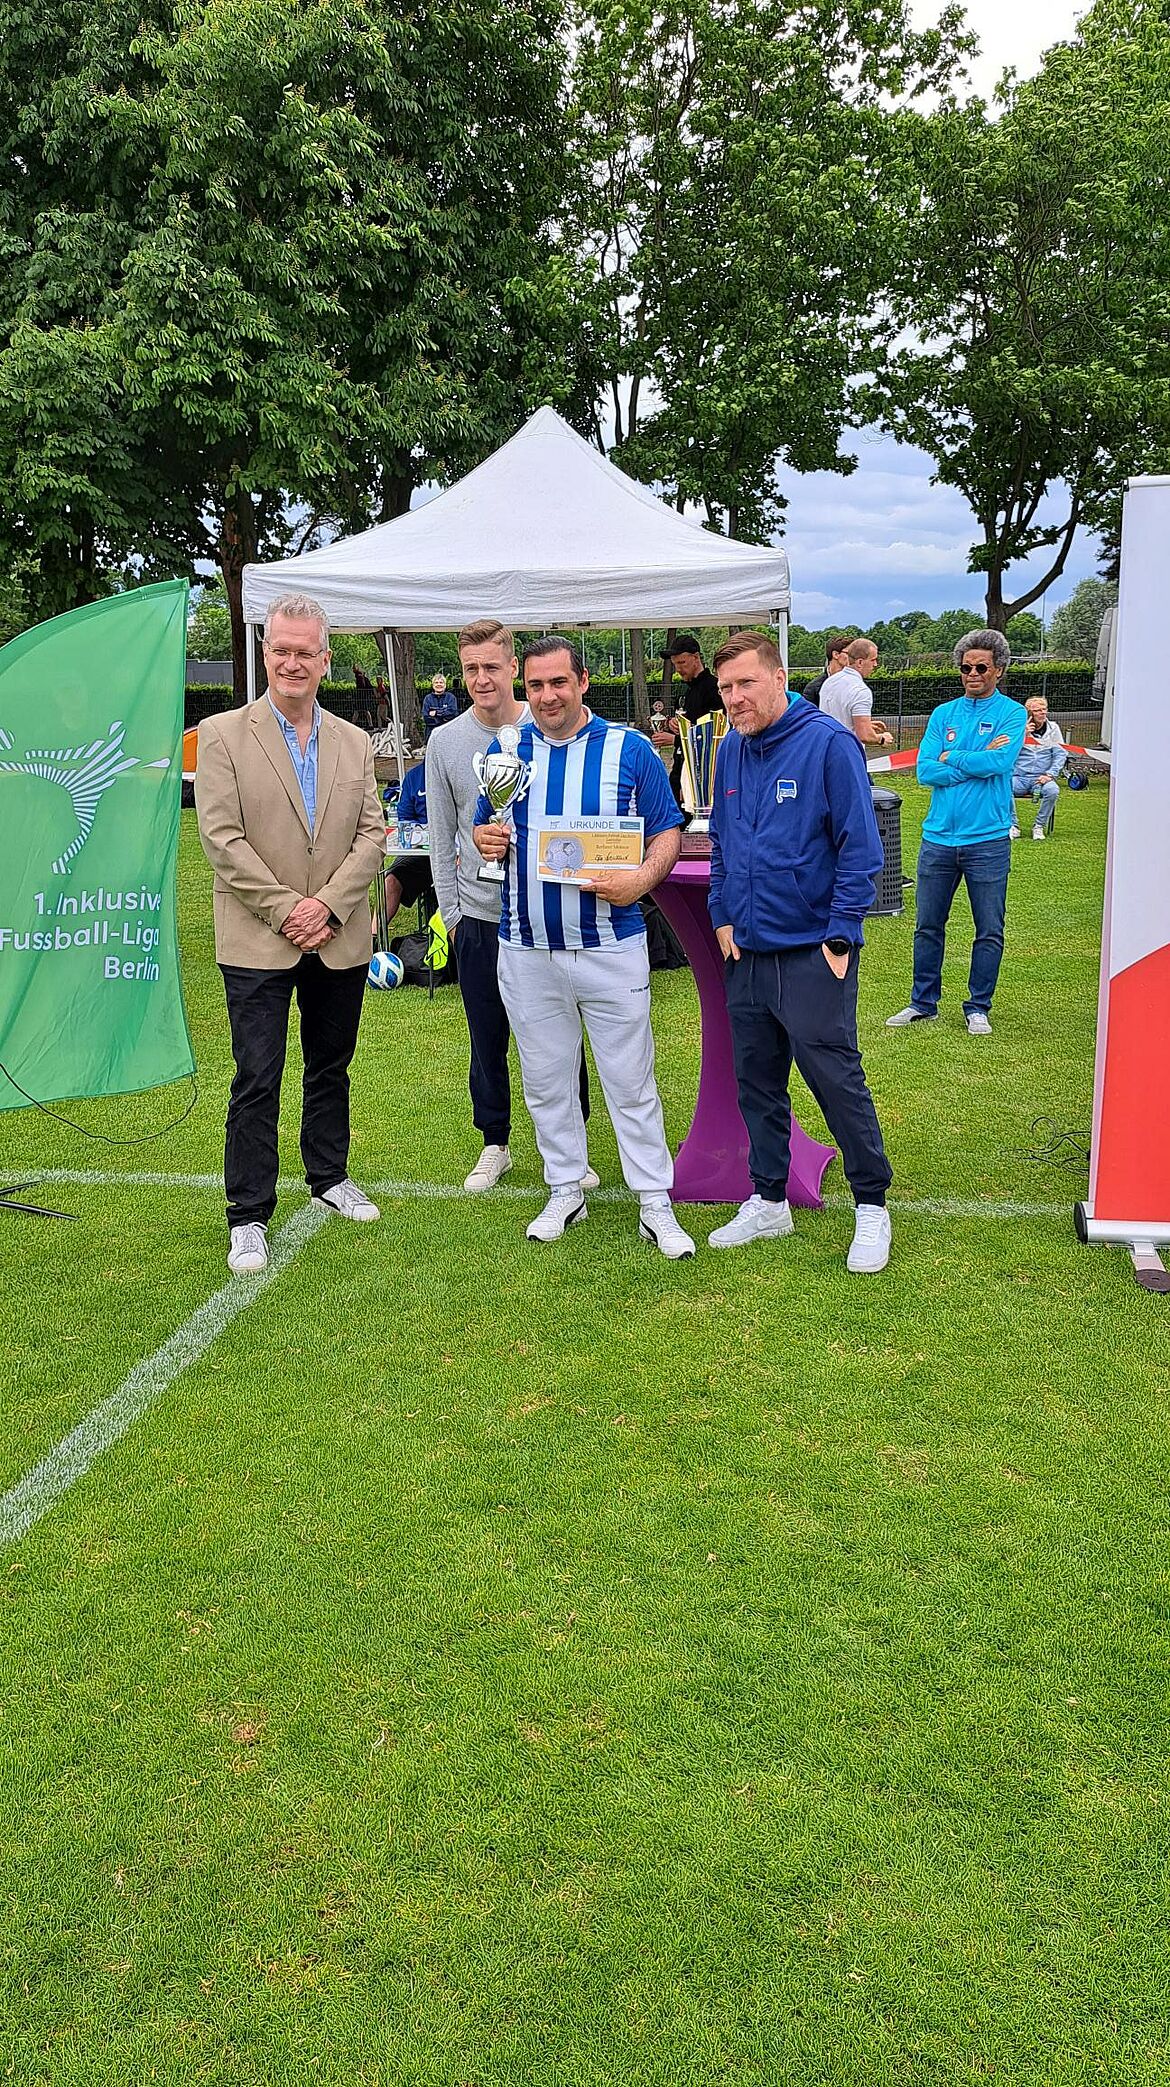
(85, 773)
(90, 996)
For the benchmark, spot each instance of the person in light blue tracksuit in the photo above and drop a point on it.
(967, 755)
(1039, 766)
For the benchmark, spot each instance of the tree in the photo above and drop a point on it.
(272, 261)
(209, 627)
(736, 204)
(1076, 624)
(14, 609)
(1025, 633)
(1036, 275)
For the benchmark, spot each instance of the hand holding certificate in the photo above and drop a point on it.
(585, 850)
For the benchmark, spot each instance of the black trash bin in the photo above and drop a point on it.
(888, 898)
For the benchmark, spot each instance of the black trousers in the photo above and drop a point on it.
(788, 1006)
(258, 1004)
(477, 946)
(414, 876)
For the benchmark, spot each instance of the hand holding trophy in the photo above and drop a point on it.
(504, 778)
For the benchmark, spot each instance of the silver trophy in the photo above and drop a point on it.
(504, 778)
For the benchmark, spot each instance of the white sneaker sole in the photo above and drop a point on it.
(353, 1217)
(550, 1239)
(669, 1253)
(481, 1185)
(752, 1238)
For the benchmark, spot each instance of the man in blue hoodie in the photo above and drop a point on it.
(968, 752)
(795, 855)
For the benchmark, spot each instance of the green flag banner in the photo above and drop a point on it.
(91, 727)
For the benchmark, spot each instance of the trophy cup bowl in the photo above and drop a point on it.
(503, 777)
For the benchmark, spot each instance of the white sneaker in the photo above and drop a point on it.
(660, 1226)
(871, 1240)
(565, 1207)
(754, 1219)
(1013, 833)
(248, 1250)
(1039, 833)
(589, 1179)
(348, 1200)
(906, 1015)
(493, 1161)
(978, 1025)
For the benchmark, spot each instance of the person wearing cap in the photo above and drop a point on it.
(701, 692)
(699, 697)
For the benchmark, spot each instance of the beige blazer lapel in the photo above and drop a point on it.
(328, 757)
(270, 739)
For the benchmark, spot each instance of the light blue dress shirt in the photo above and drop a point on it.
(304, 764)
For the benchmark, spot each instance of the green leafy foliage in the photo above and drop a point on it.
(1035, 273)
(738, 198)
(266, 255)
(1076, 624)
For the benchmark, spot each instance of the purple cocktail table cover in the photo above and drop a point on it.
(712, 1161)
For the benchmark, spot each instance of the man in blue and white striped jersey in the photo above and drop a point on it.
(575, 954)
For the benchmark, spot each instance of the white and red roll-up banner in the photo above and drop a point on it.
(1129, 1177)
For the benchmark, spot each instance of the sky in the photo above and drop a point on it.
(885, 540)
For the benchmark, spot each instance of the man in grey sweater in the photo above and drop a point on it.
(471, 907)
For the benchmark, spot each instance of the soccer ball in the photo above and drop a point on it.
(385, 970)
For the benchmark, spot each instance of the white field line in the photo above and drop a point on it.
(450, 1191)
(39, 1489)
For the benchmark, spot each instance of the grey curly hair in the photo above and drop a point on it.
(992, 641)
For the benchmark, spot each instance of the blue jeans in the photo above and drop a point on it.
(983, 868)
(1045, 794)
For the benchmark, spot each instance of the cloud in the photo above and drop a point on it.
(890, 558)
(814, 610)
(886, 540)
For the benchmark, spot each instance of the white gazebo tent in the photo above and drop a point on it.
(546, 533)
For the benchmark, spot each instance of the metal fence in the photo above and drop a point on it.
(903, 701)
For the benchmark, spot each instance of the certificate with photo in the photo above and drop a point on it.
(573, 849)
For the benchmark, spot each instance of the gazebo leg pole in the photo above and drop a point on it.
(392, 677)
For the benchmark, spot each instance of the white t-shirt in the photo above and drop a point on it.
(845, 696)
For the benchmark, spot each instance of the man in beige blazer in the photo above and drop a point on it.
(290, 821)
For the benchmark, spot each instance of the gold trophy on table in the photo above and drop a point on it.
(700, 744)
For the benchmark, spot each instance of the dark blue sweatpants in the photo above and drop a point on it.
(787, 1006)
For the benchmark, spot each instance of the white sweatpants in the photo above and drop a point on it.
(548, 994)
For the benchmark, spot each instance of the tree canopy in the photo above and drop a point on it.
(292, 262)
(266, 268)
(737, 200)
(1035, 278)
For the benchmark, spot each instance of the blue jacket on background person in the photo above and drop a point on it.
(412, 798)
(1044, 756)
(795, 849)
(972, 788)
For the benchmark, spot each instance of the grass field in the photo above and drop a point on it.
(493, 1666)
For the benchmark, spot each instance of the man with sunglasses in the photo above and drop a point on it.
(290, 821)
(967, 755)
